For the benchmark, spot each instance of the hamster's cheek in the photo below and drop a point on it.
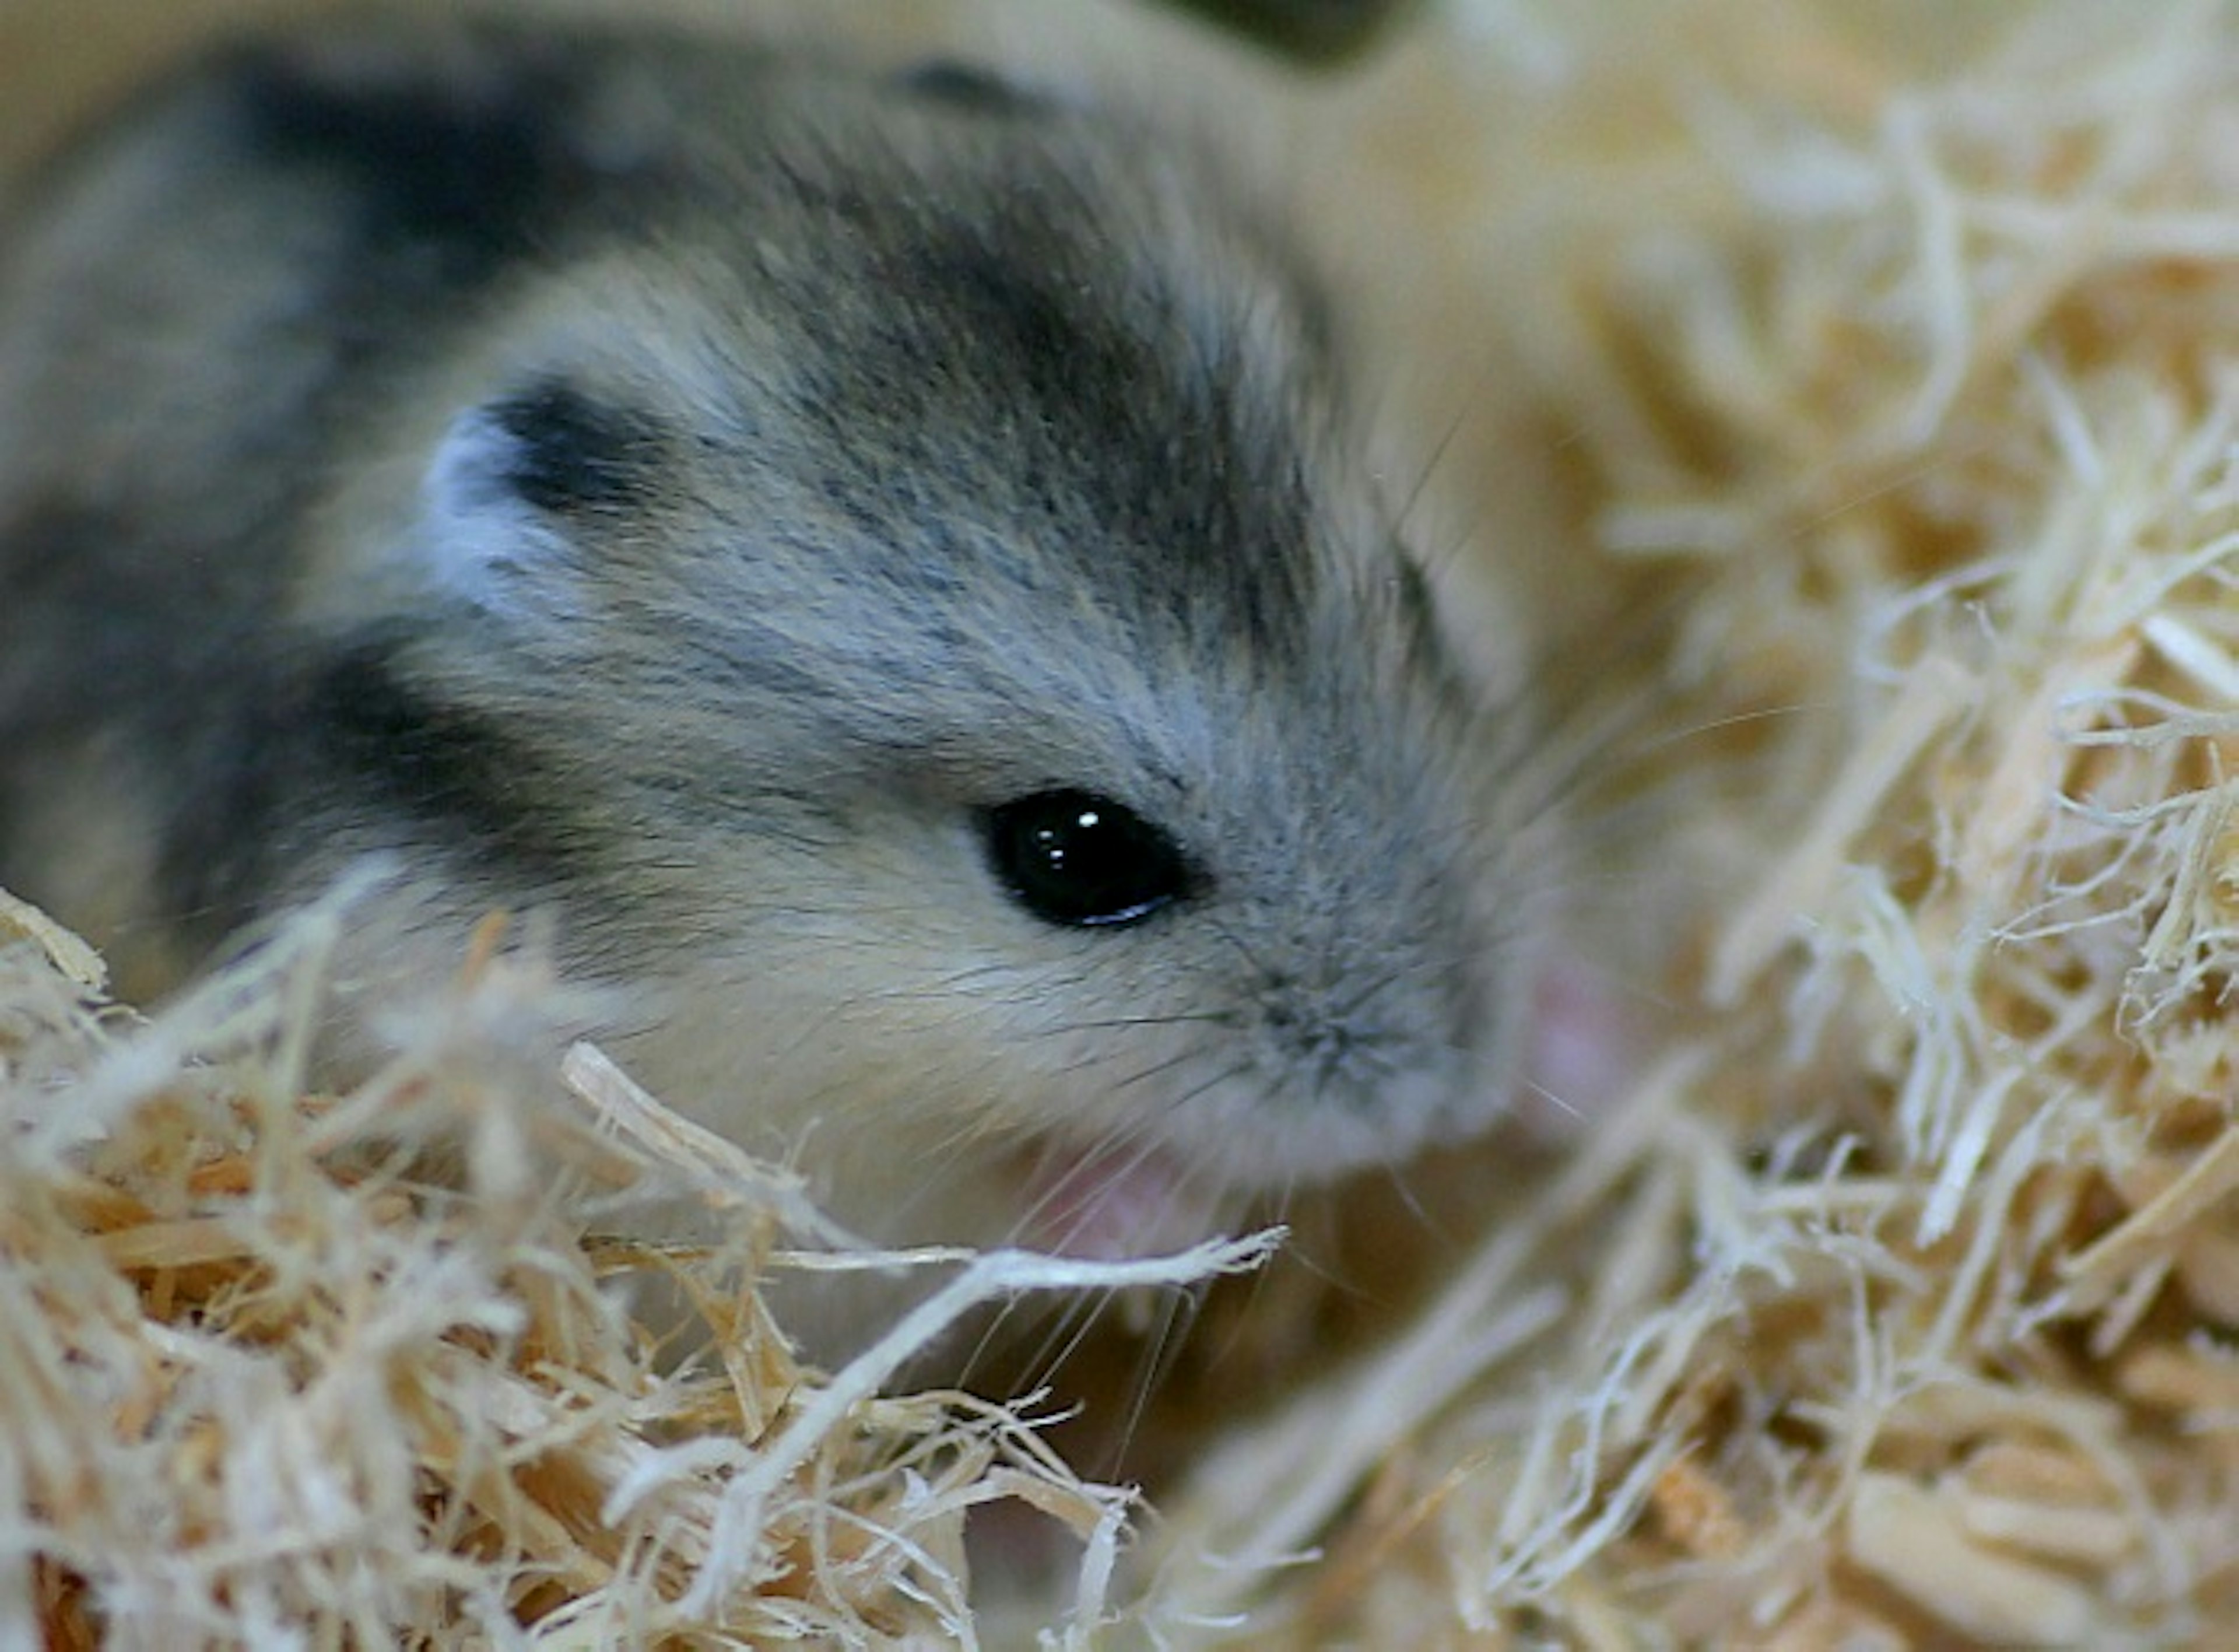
(886, 1068)
(945, 1067)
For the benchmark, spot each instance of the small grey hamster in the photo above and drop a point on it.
(881, 558)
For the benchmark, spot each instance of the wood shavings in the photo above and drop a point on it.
(21, 921)
(1903, 1318)
(264, 1376)
(1913, 1539)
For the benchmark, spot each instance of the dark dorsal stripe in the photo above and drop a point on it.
(458, 167)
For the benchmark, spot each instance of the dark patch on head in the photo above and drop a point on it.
(469, 783)
(573, 453)
(1115, 403)
(456, 158)
(1066, 364)
(971, 88)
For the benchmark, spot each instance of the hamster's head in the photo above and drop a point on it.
(930, 636)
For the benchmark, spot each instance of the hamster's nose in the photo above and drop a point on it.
(1339, 1035)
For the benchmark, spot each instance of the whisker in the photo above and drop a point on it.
(1180, 1058)
(1074, 1326)
(1220, 927)
(1568, 1108)
(1412, 1204)
(1438, 456)
(1177, 1018)
(1156, 1361)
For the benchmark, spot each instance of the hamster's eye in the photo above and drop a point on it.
(1074, 858)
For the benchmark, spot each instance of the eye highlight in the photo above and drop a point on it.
(1073, 858)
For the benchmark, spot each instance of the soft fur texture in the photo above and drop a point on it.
(679, 490)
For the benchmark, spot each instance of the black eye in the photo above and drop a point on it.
(1074, 858)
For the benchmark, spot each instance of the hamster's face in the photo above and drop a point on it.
(969, 696)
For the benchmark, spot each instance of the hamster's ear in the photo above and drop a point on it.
(514, 483)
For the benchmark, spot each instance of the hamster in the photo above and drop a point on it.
(883, 560)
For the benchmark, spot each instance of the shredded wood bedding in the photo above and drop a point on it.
(264, 1373)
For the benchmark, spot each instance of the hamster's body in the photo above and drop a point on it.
(879, 560)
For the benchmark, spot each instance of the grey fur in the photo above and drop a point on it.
(679, 488)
